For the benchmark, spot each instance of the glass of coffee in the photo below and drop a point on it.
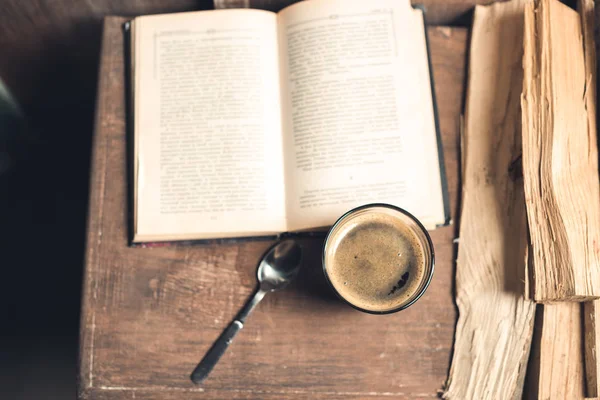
(378, 258)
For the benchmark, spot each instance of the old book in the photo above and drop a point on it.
(556, 366)
(439, 12)
(591, 341)
(495, 324)
(591, 309)
(560, 157)
(251, 123)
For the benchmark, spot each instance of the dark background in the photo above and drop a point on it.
(49, 60)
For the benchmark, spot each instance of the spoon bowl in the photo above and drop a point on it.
(279, 266)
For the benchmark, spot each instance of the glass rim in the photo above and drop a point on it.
(427, 280)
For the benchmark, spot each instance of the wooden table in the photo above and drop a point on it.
(150, 314)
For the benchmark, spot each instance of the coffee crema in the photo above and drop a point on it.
(375, 260)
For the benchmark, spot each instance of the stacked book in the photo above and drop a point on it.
(529, 242)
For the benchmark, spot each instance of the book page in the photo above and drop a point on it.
(359, 124)
(207, 125)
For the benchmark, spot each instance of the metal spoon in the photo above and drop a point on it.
(278, 267)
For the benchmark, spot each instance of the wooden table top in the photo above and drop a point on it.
(149, 315)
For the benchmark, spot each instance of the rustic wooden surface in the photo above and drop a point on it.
(150, 314)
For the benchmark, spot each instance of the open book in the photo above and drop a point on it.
(252, 123)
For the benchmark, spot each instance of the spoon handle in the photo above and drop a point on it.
(218, 348)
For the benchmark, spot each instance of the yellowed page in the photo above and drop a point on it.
(357, 110)
(208, 125)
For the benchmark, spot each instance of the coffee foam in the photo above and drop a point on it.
(375, 261)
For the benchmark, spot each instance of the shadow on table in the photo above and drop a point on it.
(311, 279)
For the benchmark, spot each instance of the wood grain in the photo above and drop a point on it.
(495, 321)
(560, 157)
(150, 314)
